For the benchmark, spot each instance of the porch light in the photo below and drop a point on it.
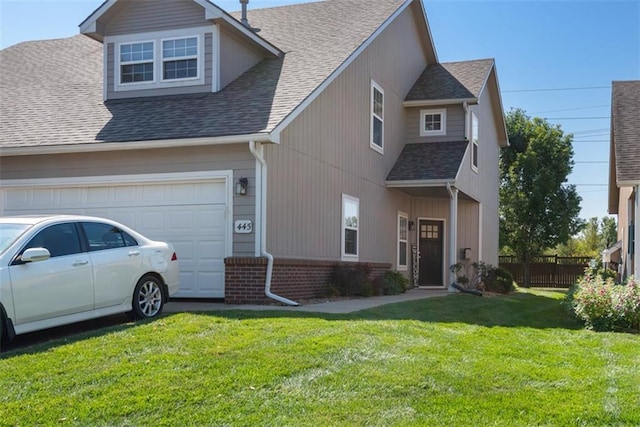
(241, 186)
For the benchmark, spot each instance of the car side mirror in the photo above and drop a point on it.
(35, 254)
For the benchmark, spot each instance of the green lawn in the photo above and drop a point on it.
(452, 361)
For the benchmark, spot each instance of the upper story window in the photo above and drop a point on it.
(350, 221)
(136, 62)
(377, 117)
(180, 58)
(474, 142)
(433, 122)
(159, 60)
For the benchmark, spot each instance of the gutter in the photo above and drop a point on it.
(263, 226)
(98, 147)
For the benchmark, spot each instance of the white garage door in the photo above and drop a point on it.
(190, 215)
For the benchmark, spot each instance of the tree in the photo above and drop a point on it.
(538, 208)
(608, 232)
(595, 237)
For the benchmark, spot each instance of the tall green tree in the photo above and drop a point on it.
(538, 208)
(608, 232)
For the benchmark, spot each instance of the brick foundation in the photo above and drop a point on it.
(291, 278)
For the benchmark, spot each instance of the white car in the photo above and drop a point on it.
(61, 269)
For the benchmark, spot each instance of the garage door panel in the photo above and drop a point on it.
(191, 216)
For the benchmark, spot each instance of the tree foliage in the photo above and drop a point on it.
(538, 208)
(596, 236)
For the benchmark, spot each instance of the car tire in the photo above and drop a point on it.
(148, 300)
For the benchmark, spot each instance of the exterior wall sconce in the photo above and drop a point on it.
(412, 225)
(241, 186)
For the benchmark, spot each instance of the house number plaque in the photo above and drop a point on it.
(243, 226)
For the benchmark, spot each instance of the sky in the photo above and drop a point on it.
(555, 59)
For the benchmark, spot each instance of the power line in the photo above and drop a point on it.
(557, 89)
(591, 185)
(591, 161)
(574, 109)
(577, 118)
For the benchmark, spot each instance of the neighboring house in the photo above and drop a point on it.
(624, 173)
(331, 135)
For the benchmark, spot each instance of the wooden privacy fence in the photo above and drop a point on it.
(548, 271)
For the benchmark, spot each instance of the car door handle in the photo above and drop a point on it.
(79, 263)
(134, 253)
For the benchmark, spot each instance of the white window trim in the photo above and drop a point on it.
(199, 56)
(157, 38)
(443, 117)
(475, 142)
(117, 52)
(401, 267)
(345, 256)
(373, 145)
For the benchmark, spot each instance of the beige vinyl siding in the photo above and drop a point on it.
(455, 124)
(236, 58)
(325, 152)
(132, 162)
(206, 87)
(148, 16)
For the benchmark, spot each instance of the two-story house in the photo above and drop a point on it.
(624, 174)
(266, 147)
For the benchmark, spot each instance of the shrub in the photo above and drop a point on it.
(498, 280)
(393, 283)
(351, 280)
(604, 305)
(596, 268)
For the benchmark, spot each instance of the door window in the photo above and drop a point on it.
(58, 239)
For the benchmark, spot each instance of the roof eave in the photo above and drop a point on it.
(133, 145)
(439, 102)
(420, 183)
(91, 27)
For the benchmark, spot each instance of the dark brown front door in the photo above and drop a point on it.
(431, 244)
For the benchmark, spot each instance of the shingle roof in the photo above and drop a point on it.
(451, 80)
(625, 122)
(51, 91)
(429, 161)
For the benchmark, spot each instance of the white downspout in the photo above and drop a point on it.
(453, 233)
(636, 232)
(262, 191)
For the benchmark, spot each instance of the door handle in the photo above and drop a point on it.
(79, 263)
(134, 253)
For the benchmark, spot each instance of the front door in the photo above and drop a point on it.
(431, 245)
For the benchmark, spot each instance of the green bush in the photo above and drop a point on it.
(351, 280)
(498, 280)
(394, 283)
(604, 305)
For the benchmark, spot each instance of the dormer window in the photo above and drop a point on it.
(163, 59)
(136, 62)
(180, 58)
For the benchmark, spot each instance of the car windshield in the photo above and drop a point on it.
(9, 233)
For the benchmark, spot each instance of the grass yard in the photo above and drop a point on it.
(451, 361)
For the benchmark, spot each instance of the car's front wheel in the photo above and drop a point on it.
(147, 298)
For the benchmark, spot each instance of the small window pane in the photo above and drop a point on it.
(180, 69)
(403, 228)
(377, 103)
(403, 254)
(350, 242)
(136, 73)
(377, 132)
(432, 122)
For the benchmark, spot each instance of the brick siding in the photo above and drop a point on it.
(291, 278)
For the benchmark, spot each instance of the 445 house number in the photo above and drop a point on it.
(243, 226)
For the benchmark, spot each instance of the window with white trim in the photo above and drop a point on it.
(377, 117)
(350, 223)
(474, 142)
(433, 122)
(136, 62)
(161, 59)
(180, 58)
(403, 236)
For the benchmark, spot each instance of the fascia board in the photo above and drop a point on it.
(132, 145)
(89, 24)
(439, 102)
(309, 99)
(420, 183)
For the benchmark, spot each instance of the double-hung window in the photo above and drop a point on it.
(377, 117)
(403, 237)
(433, 122)
(137, 62)
(180, 58)
(474, 142)
(350, 224)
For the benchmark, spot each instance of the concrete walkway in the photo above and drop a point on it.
(341, 306)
